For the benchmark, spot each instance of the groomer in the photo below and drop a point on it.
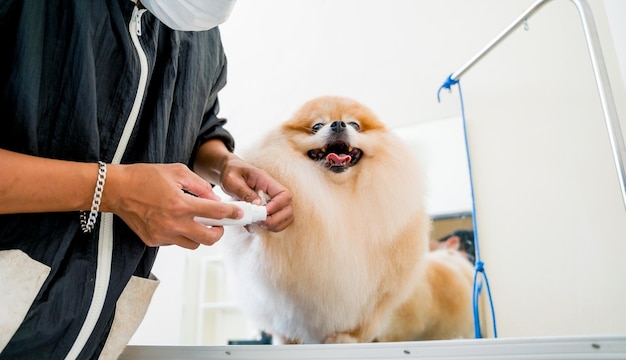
(109, 144)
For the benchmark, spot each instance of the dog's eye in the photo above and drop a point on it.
(355, 125)
(316, 127)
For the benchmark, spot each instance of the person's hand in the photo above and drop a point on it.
(159, 203)
(242, 180)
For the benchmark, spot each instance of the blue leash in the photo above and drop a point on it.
(478, 264)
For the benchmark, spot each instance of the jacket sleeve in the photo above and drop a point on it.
(212, 125)
(213, 128)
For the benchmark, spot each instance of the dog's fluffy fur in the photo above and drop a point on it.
(354, 265)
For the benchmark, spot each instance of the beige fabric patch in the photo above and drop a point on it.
(129, 312)
(21, 277)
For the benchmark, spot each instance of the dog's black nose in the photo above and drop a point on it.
(338, 126)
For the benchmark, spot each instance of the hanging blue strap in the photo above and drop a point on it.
(479, 270)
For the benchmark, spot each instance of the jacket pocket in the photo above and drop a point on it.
(21, 278)
(130, 309)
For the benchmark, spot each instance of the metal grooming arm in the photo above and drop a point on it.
(600, 72)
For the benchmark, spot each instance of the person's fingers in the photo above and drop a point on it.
(182, 242)
(203, 235)
(215, 209)
(179, 228)
(244, 181)
(193, 235)
(279, 220)
(195, 185)
(235, 185)
(279, 210)
(278, 202)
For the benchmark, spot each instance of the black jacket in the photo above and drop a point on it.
(73, 81)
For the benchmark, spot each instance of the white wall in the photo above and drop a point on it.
(615, 12)
(550, 218)
(440, 147)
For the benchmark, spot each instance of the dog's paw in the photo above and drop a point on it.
(264, 197)
(340, 338)
(281, 340)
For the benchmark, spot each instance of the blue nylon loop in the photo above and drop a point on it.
(478, 263)
(446, 85)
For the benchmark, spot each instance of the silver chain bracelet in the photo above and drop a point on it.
(87, 223)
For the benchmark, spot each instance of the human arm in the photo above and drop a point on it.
(32, 184)
(148, 197)
(218, 165)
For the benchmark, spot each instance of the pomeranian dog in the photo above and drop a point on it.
(354, 266)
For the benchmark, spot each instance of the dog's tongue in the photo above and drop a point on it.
(338, 159)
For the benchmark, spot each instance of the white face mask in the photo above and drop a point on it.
(190, 15)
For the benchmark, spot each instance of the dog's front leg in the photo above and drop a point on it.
(370, 328)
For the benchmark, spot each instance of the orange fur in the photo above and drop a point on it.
(357, 251)
(440, 307)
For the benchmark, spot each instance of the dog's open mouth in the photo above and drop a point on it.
(337, 156)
